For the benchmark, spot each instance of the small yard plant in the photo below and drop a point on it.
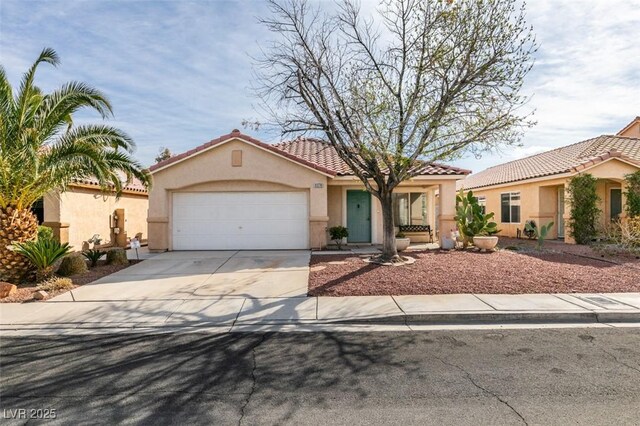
(337, 234)
(538, 232)
(45, 233)
(624, 233)
(93, 256)
(72, 265)
(55, 284)
(43, 255)
(584, 208)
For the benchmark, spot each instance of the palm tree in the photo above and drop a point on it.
(41, 150)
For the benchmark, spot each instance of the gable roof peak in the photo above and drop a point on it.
(628, 127)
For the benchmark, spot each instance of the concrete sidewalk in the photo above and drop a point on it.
(235, 313)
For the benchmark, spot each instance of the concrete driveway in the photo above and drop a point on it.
(203, 275)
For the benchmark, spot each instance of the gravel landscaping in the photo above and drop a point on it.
(439, 272)
(25, 291)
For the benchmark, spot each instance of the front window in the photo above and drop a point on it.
(510, 207)
(410, 208)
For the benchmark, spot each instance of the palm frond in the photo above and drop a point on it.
(57, 107)
(41, 151)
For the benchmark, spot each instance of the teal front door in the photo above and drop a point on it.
(359, 216)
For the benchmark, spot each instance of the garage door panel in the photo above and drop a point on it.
(223, 220)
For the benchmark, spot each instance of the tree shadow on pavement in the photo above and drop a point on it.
(192, 378)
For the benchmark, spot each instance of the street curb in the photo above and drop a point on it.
(432, 318)
(547, 317)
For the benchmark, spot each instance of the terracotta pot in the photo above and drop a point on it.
(402, 243)
(485, 243)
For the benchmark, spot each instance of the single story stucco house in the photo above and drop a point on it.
(236, 192)
(84, 210)
(533, 188)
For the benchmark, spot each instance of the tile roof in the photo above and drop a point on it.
(134, 186)
(235, 133)
(322, 152)
(571, 158)
(311, 152)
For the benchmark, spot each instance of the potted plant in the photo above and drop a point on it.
(473, 224)
(483, 229)
(402, 242)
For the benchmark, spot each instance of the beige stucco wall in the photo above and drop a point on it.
(82, 212)
(337, 203)
(538, 199)
(212, 170)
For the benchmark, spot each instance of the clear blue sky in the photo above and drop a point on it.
(178, 72)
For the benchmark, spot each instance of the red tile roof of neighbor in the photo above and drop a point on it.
(311, 152)
(571, 158)
(134, 186)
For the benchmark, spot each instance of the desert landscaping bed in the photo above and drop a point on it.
(448, 272)
(25, 290)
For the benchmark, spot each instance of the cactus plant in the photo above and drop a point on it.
(470, 219)
(539, 232)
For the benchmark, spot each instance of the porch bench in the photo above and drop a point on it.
(417, 233)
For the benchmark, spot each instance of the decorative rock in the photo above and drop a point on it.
(117, 256)
(40, 295)
(7, 289)
(338, 262)
(317, 268)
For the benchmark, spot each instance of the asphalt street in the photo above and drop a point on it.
(587, 376)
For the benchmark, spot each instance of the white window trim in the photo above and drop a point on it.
(511, 193)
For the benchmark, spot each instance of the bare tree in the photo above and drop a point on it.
(421, 81)
(163, 154)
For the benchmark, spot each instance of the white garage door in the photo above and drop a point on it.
(240, 220)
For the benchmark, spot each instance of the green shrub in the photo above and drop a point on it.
(45, 233)
(584, 208)
(337, 234)
(93, 256)
(72, 265)
(55, 284)
(42, 254)
(633, 194)
(117, 256)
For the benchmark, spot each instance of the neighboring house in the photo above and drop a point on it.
(236, 192)
(83, 211)
(534, 187)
